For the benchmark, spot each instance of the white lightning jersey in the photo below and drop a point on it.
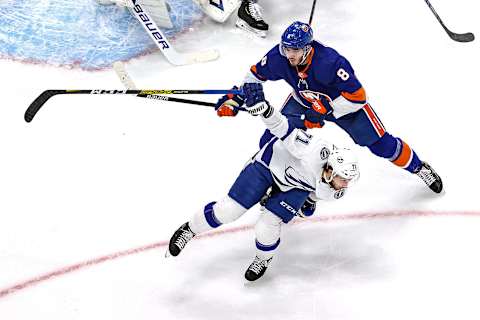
(296, 160)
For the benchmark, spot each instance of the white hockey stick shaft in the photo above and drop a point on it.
(164, 45)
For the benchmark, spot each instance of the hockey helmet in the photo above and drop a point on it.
(344, 163)
(298, 35)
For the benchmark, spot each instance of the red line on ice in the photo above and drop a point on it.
(88, 263)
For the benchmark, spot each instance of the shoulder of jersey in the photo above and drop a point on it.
(273, 57)
(325, 54)
(325, 59)
(274, 53)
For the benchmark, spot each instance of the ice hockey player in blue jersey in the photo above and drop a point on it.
(299, 168)
(325, 88)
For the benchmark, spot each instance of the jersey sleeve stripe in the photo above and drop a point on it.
(358, 96)
(253, 70)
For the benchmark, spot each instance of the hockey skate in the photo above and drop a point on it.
(257, 268)
(179, 240)
(250, 18)
(430, 177)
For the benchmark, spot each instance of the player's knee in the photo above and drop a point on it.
(267, 230)
(224, 211)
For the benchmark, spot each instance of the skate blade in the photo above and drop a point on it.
(244, 26)
(167, 254)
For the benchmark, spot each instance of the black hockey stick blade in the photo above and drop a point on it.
(39, 102)
(461, 37)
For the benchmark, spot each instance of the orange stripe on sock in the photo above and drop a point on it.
(405, 156)
(373, 118)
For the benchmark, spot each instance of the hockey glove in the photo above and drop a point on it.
(255, 100)
(315, 116)
(228, 105)
(308, 208)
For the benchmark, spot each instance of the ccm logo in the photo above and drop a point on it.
(150, 27)
(288, 207)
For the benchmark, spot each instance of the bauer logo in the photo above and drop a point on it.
(150, 26)
(288, 207)
(157, 97)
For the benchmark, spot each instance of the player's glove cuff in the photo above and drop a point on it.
(308, 208)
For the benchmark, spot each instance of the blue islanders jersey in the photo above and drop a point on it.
(326, 73)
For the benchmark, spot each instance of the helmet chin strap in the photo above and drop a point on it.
(324, 176)
(306, 52)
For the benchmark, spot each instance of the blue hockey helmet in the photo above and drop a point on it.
(298, 35)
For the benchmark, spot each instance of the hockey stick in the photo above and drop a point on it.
(164, 45)
(150, 94)
(312, 12)
(128, 83)
(460, 37)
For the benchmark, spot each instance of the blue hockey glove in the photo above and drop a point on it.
(229, 104)
(308, 208)
(255, 100)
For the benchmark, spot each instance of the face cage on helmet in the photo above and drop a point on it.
(306, 52)
(334, 173)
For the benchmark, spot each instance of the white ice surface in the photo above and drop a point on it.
(94, 175)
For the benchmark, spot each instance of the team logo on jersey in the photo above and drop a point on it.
(302, 84)
(324, 153)
(311, 96)
(338, 194)
(217, 3)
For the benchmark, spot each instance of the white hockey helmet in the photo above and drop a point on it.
(344, 163)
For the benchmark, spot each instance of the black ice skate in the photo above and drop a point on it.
(250, 18)
(257, 269)
(430, 177)
(180, 239)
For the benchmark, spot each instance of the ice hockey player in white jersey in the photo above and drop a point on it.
(299, 169)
